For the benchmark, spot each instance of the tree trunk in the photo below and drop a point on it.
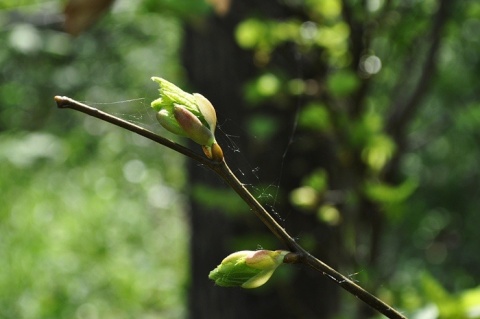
(219, 69)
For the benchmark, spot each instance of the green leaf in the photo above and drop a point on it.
(378, 152)
(390, 194)
(315, 116)
(318, 180)
(343, 83)
(262, 127)
(250, 33)
(221, 199)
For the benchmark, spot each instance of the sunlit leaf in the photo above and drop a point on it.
(250, 33)
(391, 194)
(304, 197)
(378, 151)
(329, 214)
(318, 180)
(315, 116)
(263, 87)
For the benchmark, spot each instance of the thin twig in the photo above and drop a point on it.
(222, 169)
(64, 102)
(305, 257)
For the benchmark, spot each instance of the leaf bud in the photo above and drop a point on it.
(247, 269)
(185, 114)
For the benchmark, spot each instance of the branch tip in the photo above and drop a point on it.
(62, 101)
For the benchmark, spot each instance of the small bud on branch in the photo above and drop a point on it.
(190, 115)
(247, 269)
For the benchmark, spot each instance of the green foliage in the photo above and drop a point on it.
(263, 127)
(304, 197)
(391, 195)
(86, 235)
(329, 214)
(378, 151)
(179, 9)
(342, 83)
(318, 180)
(265, 35)
(328, 10)
(222, 199)
(427, 298)
(427, 207)
(330, 33)
(262, 88)
(315, 116)
(91, 223)
(309, 196)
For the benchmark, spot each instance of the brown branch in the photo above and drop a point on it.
(222, 169)
(64, 102)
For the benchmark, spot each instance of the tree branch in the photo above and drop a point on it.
(222, 169)
(64, 102)
(404, 109)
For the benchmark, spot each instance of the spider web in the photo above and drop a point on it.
(266, 191)
(268, 197)
(139, 112)
(136, 111)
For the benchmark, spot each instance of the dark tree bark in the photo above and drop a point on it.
(218, 68)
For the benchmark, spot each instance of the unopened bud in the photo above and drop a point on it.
(247, 269)
(185, 114)
(207, 110)
(192, 126)
(214, 153)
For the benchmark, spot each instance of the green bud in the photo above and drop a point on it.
(185, 114)
(167, 120)
(192, 127)
(247, 269)
(207, 110)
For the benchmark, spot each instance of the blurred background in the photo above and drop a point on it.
(357, 123)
